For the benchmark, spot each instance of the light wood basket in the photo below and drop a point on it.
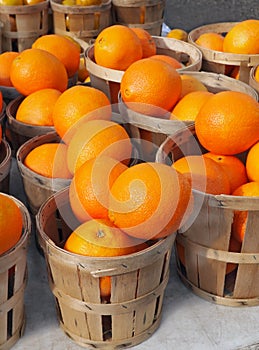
(252, 81)
(38, 188)
(84, 22)
(13, 279)
(205, 239)
(5, 165)
(17, 132)
(219, 62)
(108, 80)
(23, 24)
(149, 132)
(146, 14)
(138, 282)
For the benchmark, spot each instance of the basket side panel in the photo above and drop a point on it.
(247, 280)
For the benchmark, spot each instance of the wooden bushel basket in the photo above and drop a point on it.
(149, 132)
(38, 188)
(138, 282)
(204, 258)
(108, 80)
(219, 62)
(23, 24)
(17, 132)
(13, 279)
(83, 22)
(5, 165)
(146, 14)
(252, 81)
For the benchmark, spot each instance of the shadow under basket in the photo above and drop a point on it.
(207, 260)
(17, 132)
(5, 165)
(13, 280)
(133, 311)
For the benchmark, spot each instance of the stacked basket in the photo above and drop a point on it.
(13, 279)
(23, 24)
(202, 246)
(219, 62)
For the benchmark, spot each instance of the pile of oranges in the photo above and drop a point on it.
(120, 206)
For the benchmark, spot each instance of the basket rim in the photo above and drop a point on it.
(8, 156)
(24, 9)
(89, 262)
(56, 5)
(11, 119)
(27, 172)
(218, 56)
(116, 75)
(223, 201)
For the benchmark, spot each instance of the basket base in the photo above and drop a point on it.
(110, 344)
(15, 337)
(227, 301)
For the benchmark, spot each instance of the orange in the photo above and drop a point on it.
(37, 108)
(188, 107)
(151, 87)
(98, 137)
(49, 159)
(235, 72)
(173, 61)
(117, 47)
(235, 247)
(212, 41)
(190, 83)
(6, 59)
(250, 189)
(147, 42)
(83, 73)
(63, 48)
(252, 164)
(11, 223)
(35, 69)
(177, 33)
(242, 38)
(1, 102)
(149, 200)
(257, 73)
(205, 174)
(234, 168)
(77, 102)
(90, 187)
(228, 123)
(100, 238)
